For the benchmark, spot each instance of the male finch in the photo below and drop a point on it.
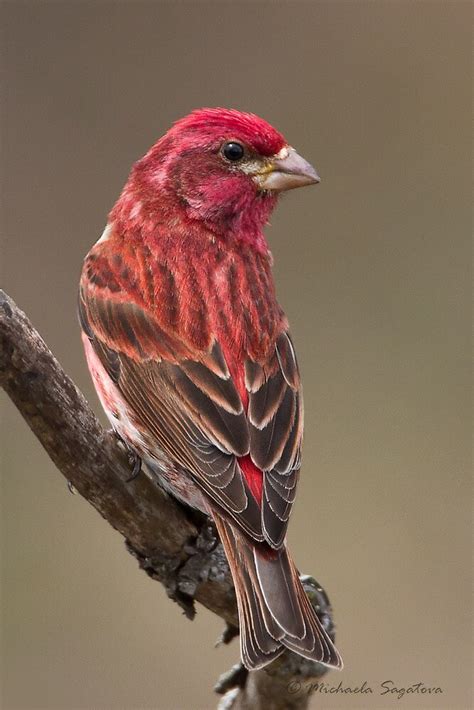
(192, 359)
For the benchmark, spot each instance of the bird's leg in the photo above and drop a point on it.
(134, 458)
(235, 678)
(320, 602)
(229, 633)
(136, 464)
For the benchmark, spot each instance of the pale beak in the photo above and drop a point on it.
(288, 172)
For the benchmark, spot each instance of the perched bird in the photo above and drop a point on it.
(192, 360)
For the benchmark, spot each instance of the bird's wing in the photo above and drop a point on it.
(275, 416)
(189, 403)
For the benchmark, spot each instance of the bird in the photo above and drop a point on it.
(193, 361)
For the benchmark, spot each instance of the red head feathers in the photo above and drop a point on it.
(219, 168)
(220, 123)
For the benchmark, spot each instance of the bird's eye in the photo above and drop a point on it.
(233, 151)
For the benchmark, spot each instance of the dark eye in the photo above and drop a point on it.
(233, 151)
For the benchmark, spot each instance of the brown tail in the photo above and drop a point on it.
(274, 611)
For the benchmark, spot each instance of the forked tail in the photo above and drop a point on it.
(274, 611)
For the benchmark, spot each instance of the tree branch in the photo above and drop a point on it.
(172, 544)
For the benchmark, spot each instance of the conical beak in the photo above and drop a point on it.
(288, 172)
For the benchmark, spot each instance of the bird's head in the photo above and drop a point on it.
(222, 167)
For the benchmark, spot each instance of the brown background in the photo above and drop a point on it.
(373, 270)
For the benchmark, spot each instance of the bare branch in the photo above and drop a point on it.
(172, 544)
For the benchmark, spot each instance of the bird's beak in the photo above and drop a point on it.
(287, 172)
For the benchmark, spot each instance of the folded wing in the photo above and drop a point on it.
(187, 401)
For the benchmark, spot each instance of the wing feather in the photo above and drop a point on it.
(189, 405)
(276, 429)
(198, 422)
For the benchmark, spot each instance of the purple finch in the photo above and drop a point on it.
(192, 359)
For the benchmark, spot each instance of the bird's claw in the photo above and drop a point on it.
(320, 602)
(133, 458)
(136, 463)
(229, 633)
(235, 678)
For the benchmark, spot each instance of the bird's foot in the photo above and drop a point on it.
(229, 633)
(320, 602)
(235, 678)
(134, 458)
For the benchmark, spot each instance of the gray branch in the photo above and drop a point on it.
(172, 544)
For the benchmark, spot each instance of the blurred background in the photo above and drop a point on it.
(372, 268)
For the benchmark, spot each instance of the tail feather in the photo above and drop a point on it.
(280, 594)
(257, 628)
(274, 610)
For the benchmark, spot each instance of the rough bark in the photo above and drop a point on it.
(172, 544)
